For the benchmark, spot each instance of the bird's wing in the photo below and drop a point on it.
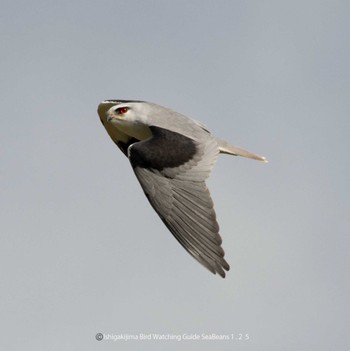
(172, 170)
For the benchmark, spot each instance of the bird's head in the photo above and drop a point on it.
(127, 112)
(130, 117)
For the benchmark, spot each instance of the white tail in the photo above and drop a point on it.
(226, 148)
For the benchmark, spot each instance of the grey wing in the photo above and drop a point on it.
(172, 170)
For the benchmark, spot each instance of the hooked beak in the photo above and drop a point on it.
(109, 117)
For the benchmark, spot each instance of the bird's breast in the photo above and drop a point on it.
(138, 131)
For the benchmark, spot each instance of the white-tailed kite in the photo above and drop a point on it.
(172, 156)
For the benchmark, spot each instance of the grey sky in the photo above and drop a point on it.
(82, 251)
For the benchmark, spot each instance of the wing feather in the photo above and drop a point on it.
(178, 192)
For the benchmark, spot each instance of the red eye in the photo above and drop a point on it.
(123, 110)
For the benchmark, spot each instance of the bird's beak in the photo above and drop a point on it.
(109, 117)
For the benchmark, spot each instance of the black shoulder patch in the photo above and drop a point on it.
(165, 149)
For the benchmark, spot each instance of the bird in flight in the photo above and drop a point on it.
(172, 156)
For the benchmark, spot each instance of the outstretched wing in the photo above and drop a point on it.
(172, 170)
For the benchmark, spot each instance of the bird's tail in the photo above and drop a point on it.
(226, 148)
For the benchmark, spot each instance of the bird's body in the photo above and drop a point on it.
(172, 156)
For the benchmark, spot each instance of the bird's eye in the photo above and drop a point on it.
(122, 110)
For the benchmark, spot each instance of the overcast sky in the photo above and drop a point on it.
(81, 250)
